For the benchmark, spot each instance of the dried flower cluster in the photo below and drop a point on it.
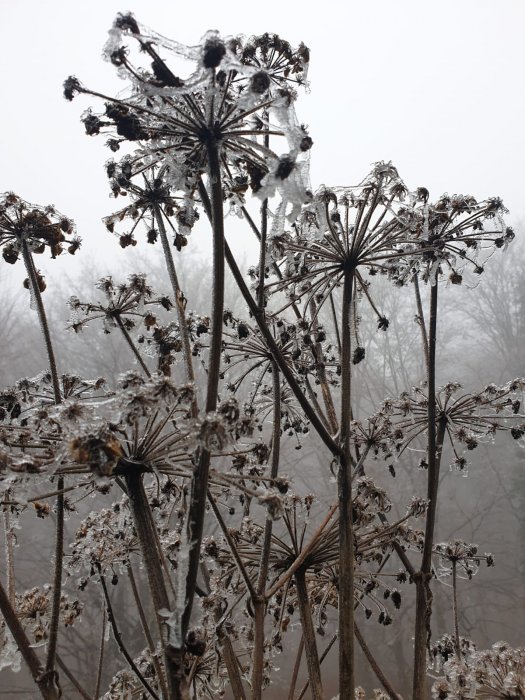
(201, 516)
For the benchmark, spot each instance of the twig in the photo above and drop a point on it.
(375, 666)
(72, 678)
(120, 643)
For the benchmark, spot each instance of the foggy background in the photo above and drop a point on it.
(435, 87)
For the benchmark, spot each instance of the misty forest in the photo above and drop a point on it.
(294, 473)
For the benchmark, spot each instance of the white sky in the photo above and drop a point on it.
(436, 86)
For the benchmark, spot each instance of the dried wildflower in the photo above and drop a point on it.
(494, 673)
(462, 556)
(455, 232)
(124, 304)
(37, 228)
(223, 103)
(344, 229)
(466, 419)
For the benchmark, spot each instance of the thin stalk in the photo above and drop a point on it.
(259, 604)
(233, 549)
(9, 555)
(259, 612)
(67, 673)
(120, 643)
(297, 666)
(179, 303)
(421, 319)
(264, 232)
(59, 528)
(270, 340)
(323, 657)
(310, 645)
(199, 486)
(455, 609)
(436, 433)
(147, 633)
(131, 344)
(100, 654)
(317, 352)
(344, 484)
(44, 681)
(37, 296)
(375, 666)
(154, 570)
(57, 579)
(232, 666)
(262, 255)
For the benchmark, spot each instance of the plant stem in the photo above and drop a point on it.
(344, 483)
(37, 296)
(179, 301)
(67, 673)
(436, 434)
(455, 609)
(147, 633)
(296, 668)
(9, 554)
(140, 509)
(421, 319)
(323, 657)
(310, 645)
(59, 529)
(262, 255)
(57, 579)
(199, 485)
(100, 654)
(270, 340)
(120, 643)
(375, 666)
(131, 344)
(259, 603)
(44, 681)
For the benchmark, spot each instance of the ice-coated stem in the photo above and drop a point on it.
(59, 528)
(455, 609)
(131, 344)
(179, 303)
(37, 296)
(44, 681)
(436, 434)
(153, 564)
(277, 355)
(199, 486)
(310, 645)
(344, 489)
(259, 603)
(120, 643)
(375, 666)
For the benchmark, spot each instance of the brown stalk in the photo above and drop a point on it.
(375, 666)
(259, 602)
(44, 681)
(147, 633)
(199, 486)
(59, 527)
(344, 488)
(310, 644)
(131, 344)
(436, 434)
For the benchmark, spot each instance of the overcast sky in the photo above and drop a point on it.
(436, 86)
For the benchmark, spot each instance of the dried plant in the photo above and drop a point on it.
(200, 511)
